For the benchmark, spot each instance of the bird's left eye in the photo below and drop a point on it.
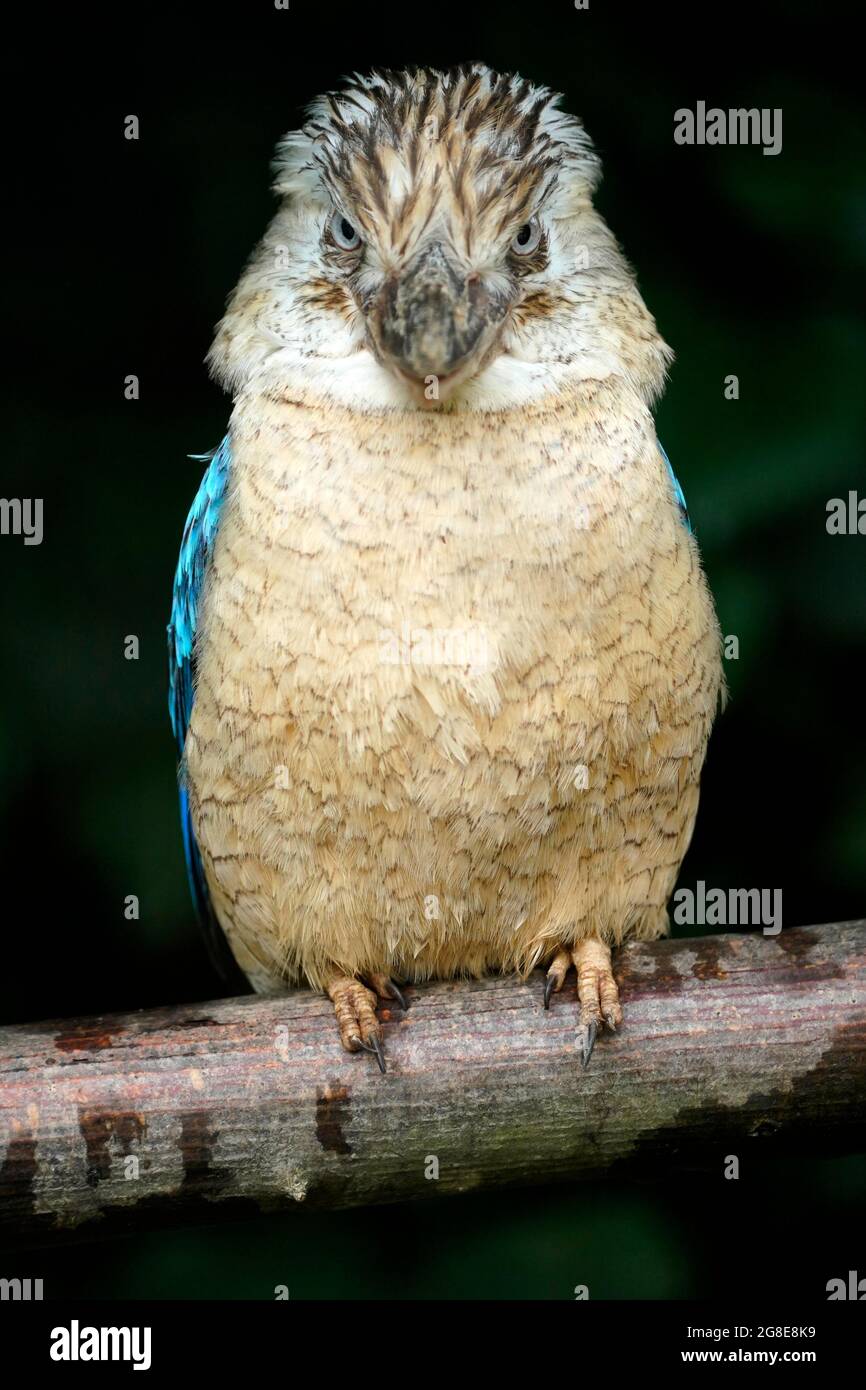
(345, 234)
(527, 239)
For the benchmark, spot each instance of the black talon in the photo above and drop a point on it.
(590, 1032)
(611, 1022)
(395, 994)
(380, 1055)
(548, 989)
(376, 1048)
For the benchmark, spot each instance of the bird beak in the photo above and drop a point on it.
(434, 324)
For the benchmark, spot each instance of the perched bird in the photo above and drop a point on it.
(443, 659)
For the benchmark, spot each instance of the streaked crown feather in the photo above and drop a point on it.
(493, 143)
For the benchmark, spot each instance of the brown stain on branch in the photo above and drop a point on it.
(332, 1112)
(198, 1137)
(802, 948)
(635, 981)
(708, 965)
(98, 1127)
(18, 1170)
(92, 1036)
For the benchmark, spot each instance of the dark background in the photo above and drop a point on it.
(119, 260)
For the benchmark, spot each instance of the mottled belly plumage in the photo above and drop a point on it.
(447, 719)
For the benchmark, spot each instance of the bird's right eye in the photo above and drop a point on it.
(345, 234)
(528, 237)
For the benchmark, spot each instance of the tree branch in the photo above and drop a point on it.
(200, 1112)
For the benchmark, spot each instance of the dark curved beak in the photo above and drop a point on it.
(434, 319)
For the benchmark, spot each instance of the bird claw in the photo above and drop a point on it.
(375, 1047)
(559, 968)
(385, 987)
(398, 996)
(587, 1036)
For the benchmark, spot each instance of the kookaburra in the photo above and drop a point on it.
(443, 659)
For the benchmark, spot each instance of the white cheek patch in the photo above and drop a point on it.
(361, 381)
(510, 381)
(356, 380)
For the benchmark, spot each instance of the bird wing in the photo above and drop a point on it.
(678, 492)
(199, 537)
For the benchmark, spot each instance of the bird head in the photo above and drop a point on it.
(436, 246)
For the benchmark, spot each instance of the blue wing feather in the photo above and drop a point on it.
(678, 492)
(196, 548)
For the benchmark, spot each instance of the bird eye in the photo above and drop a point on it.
(344, 233)
(527, 238)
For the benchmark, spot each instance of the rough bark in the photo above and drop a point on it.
(200, 1112)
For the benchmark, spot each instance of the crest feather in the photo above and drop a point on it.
(502, 134)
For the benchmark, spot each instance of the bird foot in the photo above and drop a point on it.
(355, 1008)
(596, 990)
(386, 989)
